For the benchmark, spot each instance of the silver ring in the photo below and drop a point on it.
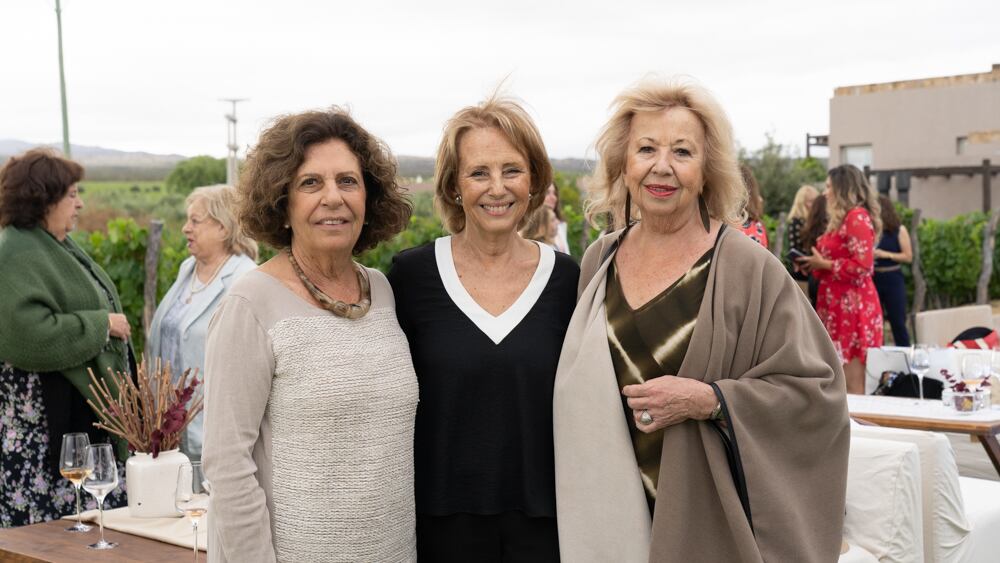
(645, 418)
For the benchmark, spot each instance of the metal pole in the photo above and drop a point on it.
(232, 168)
(62, 84)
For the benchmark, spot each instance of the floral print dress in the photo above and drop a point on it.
(31, 490)
(847, 302)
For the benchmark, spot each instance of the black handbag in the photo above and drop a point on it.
(900, 384)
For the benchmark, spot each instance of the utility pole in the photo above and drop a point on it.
(62, 84)
(232, 171)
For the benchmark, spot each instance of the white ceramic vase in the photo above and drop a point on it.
(150, 484)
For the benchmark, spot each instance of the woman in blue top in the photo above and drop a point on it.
(220, 253)
(893, 250)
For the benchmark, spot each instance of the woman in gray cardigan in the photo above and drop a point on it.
(220, 254)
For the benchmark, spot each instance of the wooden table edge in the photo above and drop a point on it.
(976, 428)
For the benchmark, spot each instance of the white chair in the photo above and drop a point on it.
(884, 515)
(960, 515)
(940, 326)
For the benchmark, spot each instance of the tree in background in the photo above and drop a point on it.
(195, 172)
(779, 172)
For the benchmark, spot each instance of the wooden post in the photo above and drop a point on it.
(987, 195)
(778, 244)
(919, 283)
(989, 242)
(152, 261)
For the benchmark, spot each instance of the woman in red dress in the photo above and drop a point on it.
(842, 261)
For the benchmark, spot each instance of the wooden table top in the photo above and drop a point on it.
(49, 542)
(909, 413)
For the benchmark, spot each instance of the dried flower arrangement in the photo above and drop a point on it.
(148, 413)
(965, 399)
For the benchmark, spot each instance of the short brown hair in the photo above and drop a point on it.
(517, 126)
(32, 183)
(272, 164)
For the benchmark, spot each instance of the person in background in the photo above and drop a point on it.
(542, 226)
(699, 406)
(813, 228)
(61, 315)
(797, 216)
(485, 312)
(843, 260)
(753, 227)
(310, 394)
(893, 249)
(552, 202)
(220, 254)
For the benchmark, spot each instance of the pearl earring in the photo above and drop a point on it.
(458, 199)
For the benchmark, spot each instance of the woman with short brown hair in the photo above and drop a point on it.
(61, 317)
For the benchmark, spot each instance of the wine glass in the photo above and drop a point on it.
(920, 363)
(72, 466)
(191, 496)
(102, 479)
(975, 367)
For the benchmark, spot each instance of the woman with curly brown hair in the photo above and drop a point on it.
(312, 395)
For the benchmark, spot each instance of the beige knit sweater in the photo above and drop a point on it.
(308, 429)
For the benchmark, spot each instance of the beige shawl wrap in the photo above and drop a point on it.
(759, 341)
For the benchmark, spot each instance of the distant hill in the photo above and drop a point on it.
(105, 164)
(110, 165)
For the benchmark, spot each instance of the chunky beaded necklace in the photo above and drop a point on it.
(335, 306)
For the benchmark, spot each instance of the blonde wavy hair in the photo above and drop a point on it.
(724, 192)
(799, 208)
(220, 205)
(851, 189)
(517, 126)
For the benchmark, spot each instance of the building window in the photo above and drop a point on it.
(858, 155)
(961, 145)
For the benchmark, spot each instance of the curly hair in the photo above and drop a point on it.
(272, 164)
(724, 193)
(32, 183)
(755, 201)
(517, 126)
(851, 189)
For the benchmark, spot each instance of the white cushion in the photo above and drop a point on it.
(855, 554)
(940, 326)
(982, 507)
(944, 516)
(884, 500)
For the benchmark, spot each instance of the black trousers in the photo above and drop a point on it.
(891, 289)
(509, 537)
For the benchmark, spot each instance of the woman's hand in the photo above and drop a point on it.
(879, 253)
(670, 399)
(815, 261)
(118, 326)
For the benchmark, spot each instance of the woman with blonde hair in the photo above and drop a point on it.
(220, 254)
(485, 312)
(699, 409)
(804, 198)
(843, 262)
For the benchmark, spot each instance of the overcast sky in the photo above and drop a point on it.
(147, 75)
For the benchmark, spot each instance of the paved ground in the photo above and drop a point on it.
(971, 458)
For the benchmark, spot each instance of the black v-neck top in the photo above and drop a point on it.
(483, 441)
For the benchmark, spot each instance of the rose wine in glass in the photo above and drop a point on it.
(103, 479)
(191, 496)
(72, 466)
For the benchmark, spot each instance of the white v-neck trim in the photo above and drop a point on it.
(496, 328)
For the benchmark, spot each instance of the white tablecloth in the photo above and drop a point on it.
(907, 406)
(176, 531)
(896, 358)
